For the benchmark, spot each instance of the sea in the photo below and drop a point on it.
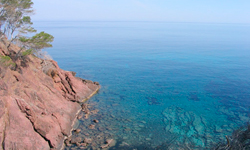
(163, 85)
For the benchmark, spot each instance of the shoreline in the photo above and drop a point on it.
(77, 113)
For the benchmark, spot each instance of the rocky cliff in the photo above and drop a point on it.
(38, 103)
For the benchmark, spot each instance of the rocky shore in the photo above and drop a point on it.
(39, 103)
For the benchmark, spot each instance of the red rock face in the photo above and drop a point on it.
(38, 104)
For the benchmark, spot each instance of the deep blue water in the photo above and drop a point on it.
(171, 84)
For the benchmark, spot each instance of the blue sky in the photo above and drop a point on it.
(214, 11)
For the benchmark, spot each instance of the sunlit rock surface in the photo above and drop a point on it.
(39, 103)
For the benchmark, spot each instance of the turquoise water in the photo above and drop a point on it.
(171, 85)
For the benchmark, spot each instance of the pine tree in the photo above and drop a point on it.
(15, 24)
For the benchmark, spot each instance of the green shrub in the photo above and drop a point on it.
(27, 52)
(7, 61)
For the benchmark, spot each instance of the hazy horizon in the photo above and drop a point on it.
(143, 11)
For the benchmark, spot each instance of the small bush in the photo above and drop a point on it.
(27, 52)
(7, 61)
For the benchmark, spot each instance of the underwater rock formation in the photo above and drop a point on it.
(240, 140)
(152, 101)
(195, 130)
(193, 96)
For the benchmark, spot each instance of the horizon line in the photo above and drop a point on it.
(41, 20)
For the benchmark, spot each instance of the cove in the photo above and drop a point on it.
(163, 84)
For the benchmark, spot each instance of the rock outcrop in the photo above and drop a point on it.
(38, 103)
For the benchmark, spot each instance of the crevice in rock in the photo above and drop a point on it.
(4, 134)
(65, 89)
(67, 78)
(27, 116)
(59, 125)
(4, 131)
(25, 92)
(49, 89)
(47, 140)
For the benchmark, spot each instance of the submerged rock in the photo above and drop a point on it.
(92, 126)
(141, 125)
(218, 129)
(80, 116)
(95, 121)
(77, 130)
(193, 96)
(238, 140)
(76, 140)
(183, 123)
(88, 140)
(109, 143)
(152, 101)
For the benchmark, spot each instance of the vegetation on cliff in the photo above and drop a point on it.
(16, 28)
(38, 100)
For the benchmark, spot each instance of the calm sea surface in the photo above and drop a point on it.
(170, 85)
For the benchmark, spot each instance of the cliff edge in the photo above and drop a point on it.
(38, 103)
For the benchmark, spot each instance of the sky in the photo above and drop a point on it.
(209, 11)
